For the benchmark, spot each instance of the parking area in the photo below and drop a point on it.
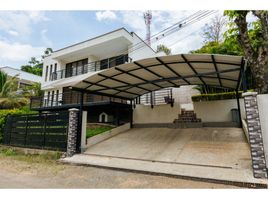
(207, 153)
(218, 147)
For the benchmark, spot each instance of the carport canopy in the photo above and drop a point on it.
(131, 80)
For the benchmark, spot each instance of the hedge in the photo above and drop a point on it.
(216, 96)
(5, 113)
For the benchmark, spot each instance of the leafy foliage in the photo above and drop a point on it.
(36, 69)
(5, 113)
(163, 48)
(8, 93)
(33, 90)
(215, 96)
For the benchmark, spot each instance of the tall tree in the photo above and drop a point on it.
(253, 39)
(33, 61)
(163, 48)
(213, 31)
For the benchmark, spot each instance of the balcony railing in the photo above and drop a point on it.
(74, 71)
(73, 98)
(163, 96)
(82, 69)
(69, 98)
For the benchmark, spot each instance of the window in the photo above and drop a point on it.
(104, 64)
(52, 98)
(50, 73)
(55, 67)
(57, 97)
(76, 68)
(48, 98)
(46, 73)
(113, 61)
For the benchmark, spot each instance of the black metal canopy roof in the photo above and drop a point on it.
(131, 80)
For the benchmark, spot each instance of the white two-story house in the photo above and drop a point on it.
(99, 53)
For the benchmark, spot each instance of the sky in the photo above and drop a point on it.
(26, 34)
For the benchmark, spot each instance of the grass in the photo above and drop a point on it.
(44, 158)
(95, 131)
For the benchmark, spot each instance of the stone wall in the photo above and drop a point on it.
(255, 135)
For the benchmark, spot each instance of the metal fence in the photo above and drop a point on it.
(45, 131)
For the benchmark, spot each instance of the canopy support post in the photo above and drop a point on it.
(238, 107)
(79, 133)
(131, 114)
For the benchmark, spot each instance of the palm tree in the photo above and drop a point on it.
(8, 93)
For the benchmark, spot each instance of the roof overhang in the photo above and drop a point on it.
(134, 79)
(101, 47)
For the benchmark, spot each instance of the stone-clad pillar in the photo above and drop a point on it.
(72, 131)
(255, 135)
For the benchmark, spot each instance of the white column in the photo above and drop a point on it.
(84, 132)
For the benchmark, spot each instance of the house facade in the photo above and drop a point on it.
(88, 57)
(24, 78)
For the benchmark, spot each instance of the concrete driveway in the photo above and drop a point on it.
(219, 147)
(206, 153)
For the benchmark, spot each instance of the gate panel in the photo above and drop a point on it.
(45, 131)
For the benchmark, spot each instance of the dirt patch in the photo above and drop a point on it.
(24, 174)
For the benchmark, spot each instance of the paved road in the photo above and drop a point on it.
(20, 174)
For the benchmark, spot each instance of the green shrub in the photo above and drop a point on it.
(215, 96)
(8, 152)
(5, 113)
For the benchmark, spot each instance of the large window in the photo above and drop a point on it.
(113, 61)
(76, 68)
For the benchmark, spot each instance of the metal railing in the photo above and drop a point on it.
(69, 98)
(82, 69)
(74, 71)
(163, 96)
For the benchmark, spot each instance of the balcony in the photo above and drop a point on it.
(67, 99)
(73, 99)
(89, 67)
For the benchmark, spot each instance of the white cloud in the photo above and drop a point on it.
(106, 15)
(20, 21)
(45, 39)
(14, 33)
(14, 52)
(182, 41)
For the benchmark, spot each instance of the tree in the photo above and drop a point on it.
(8, 96)
(212, 32)
(33, 90)
(48, 51)
(33, 61)
(35, 67)
(253, 40)
(163, 48)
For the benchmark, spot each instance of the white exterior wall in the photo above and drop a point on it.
(70, 54)
(48, 61)
(263, 105)
(217, 111)
(141, 53)
(143, 114)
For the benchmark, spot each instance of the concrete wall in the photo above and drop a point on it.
(140, 53)
(263, 108)
(217, 111)
(143, 114)
(106, 135)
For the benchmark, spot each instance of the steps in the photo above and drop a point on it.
(188, 119)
